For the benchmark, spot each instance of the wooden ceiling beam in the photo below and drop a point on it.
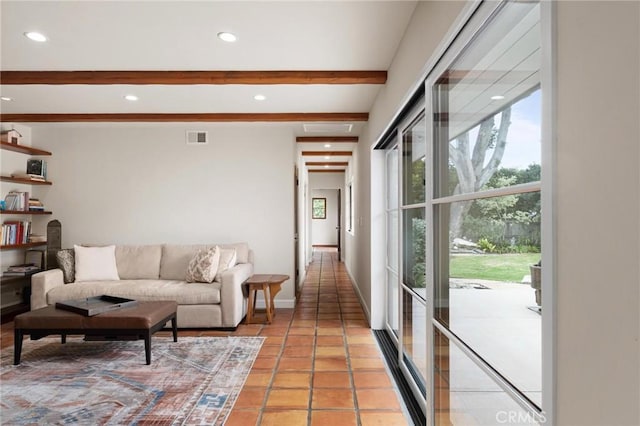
(323, 153)
(193, 77)
(326, 163)
(338, 139)
(185, 117)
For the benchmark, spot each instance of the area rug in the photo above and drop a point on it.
(194, 381)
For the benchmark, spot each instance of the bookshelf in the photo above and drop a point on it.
(19, 285)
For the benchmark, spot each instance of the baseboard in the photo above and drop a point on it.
(354, 284)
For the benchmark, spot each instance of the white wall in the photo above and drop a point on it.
(429, 24)
(597, 193)
(323, 231)
(143, 185)
(319, 181)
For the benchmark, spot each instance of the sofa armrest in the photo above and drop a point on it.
(41, 283)
(232, 295)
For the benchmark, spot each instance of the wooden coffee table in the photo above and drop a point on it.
(270, 285)
(137, 322)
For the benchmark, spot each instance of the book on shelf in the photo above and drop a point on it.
(35, 205)
(21, 270)
(15, 232)
(16, 201)
(34, 238)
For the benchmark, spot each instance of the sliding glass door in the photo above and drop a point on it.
(486, 103)
(464, 226)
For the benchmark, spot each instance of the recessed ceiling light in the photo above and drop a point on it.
(327, 145)
(326, 157)
(35, 36)
(259, 97)
(228, 37)
(497, 97)
(326, 166)
(131, 97)
(6, 98)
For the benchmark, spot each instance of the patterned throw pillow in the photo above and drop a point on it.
(67, 262)
(203, 266)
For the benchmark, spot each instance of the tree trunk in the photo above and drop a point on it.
(470, 169)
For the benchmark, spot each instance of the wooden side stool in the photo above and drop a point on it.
(270, 284)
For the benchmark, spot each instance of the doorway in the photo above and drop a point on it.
(326, 218)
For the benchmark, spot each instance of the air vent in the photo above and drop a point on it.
(197, 137)
(327, 127)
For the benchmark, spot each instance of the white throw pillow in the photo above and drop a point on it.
(203, 266)
(96, 263)
(227, 261)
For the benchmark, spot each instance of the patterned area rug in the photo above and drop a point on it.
(194, 381)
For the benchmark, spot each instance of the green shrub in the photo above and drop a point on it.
(486, 245)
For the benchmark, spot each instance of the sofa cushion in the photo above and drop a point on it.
(67, 262)
(95, 263)
(204, 266)
(176, 257)
(138, 262)
(175, 260)
(227, 260)
(242, 251)
(143, 290)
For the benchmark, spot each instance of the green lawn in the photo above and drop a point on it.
(497, 267)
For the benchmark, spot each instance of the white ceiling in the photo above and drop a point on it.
(161, 35)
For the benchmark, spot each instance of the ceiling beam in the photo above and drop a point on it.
(193, 77)
(340, 139)
(186, 117)
(326, 171)
(323, 153)
(327, 163)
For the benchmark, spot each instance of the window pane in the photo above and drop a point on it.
(392, 302)
(414, 336)
(414, 256)
(392, 239)
(488, 299)
(488, 106)
(414, 149)
(464, 395)
(392, 178)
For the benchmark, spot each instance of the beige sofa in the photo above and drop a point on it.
(157, 272)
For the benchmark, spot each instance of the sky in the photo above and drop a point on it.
(523, 139)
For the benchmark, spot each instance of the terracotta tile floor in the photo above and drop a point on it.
(319, 364)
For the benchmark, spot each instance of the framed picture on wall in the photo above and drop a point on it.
(319, 208)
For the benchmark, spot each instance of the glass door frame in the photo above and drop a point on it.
(482, 12)
(410, 118)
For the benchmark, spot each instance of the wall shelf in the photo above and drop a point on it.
(24, 181)
(22, 246)
(34, 212)
(23, 149)
(16, 278)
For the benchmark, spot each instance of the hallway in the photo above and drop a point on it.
(320, 364)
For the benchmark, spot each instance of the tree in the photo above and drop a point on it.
(471, 171)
